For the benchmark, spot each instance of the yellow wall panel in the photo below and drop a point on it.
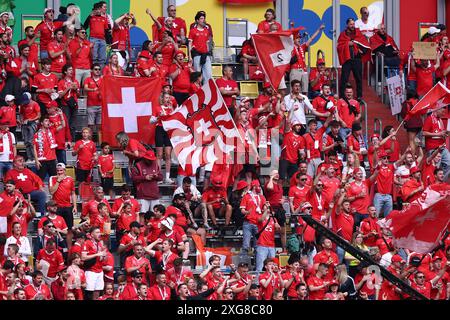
(143, 20)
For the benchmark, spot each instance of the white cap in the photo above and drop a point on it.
(403, 171)
(9, 97)
(168, 223)
(60, 166)
(10, 16)
(48, 9)
(433, 30)
(295, 122)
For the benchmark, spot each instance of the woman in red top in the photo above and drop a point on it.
(69, 90)
(168, 48)
(196, 82)
(414, 124)
(180, 72)
(85, 150)
(113, 68)
(392, 147)
(106, 169)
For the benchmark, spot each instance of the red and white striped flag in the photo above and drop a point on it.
(420, 227)
(436, 98)
(201, 129)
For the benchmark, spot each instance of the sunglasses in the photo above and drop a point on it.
(138, 277)
(303, 179)
(96, 69)
(319, 185)
(229, 292)
(421, 277)
(309, 208)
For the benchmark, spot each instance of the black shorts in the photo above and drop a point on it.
(107, 184)
(280, 215)
(162, 138)
(82, 175)
(67, 214)
(416, 130)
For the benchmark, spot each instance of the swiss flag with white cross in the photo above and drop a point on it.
(128, 104)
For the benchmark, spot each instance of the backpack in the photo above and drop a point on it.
(292, 244)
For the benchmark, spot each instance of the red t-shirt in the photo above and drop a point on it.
(47, 29)
(82, 60)
(313, 143)
(106, 162)
(266, 293)
(212, 194)
(55, 259)
(8, 114)
(385, 179)
(316, 282)
(62, 136)
(424, 79)
(97, 25)
(331, 259)
(31, 291)
(428, 174)
(345, 223)
(168, 52)
(23, 219)
(34, 51)
(275, 195)
(90, 208)
(26, 180)
(86, 154)
(199, 39)
(434, 125)
(253, 204)
(65, 189)
(132, 261)
(42, 81)
(59, 61)
(267, 236)
(65, 83)
(124, 221)
(344, 111)
(264, 26)
(118, 202)
(228, 85)
(181, 218)
(57, 221)
(121, 35)
(367, 226)
(299, 52)
(323, 79)
(91, 247)
(292, 144)
(299, 194)
(94, 97)
(330, 185)
(360, 204)
(182, 82)
(353, 142)
(29, 111)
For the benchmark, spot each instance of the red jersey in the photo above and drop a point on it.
(330, 258)
(59, 61)
(8, 114)
(316, 282)
(408, 187)
(82, 59)
(330, 185)
(109, 71)
(45, 81)
(428, 174)
(90, 208)
(227, 85)
(23, 219)
(25, 180)
(299, 195)
(182, 82)
(91, 247)
(85, 156)
(98, 25)
(199, 39)
(128, 238)
(168, 52)
(267, 236)
(299, 52)
(344, 111)
(31, 291)
(132, 261)
(264, 26)
(121, 37)
(212, 193)
(360, 204)
(34, 52)
(323, 79)
(356, 143)
(106, 163)
(292, 144)
(313, 143)
(368, 226)
(385, 179)
(266, 293)
(179, 277)
(94, 97)
(434, 125)
(274, 196)
(254, 204)
(30, 111)
(62, 136)
(64, 192)
(55, 260)
(181, 218)
(124, 220)
(344, 223)
(424, 79)
(155, 292)
(15, 65)
(65, 83)
(47, 29)
(57, 221)
(135, 206)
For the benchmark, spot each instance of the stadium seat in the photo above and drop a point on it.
(249, 89)
(70, 171)
(118, 176)
(216, 70)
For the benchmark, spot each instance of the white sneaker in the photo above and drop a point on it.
(169, 181)
(206, 226)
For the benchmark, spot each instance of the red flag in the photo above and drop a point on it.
(202, 129)
(274, 51)
(359, 42)
(436, 98)
(420, 227)
(128, 104)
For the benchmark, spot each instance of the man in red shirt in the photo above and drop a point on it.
(157, 69)
(228, 87)
(53, 258)
(46, 85)
(349, 111)
(90, 209)
(180, 72)
(86, 152)
(62, 189)
(265, 245)
(28, 182)
(412, 189)
(98, 25)
(328, 257)
(138, 262)
(273, 189)
(92, 86)
(356, 143)
(264, 26)
(216, 200)
(58, 52)
(292, 150)
(370, 228)
(45, 31)
(298, 193)
(121, 38)
(317, 285)
(435, 134)
(271, 279)
(30, 39)
(160, 290)
(22, 67)
(251, 207)
(314, 144)
(200, 41)
(330, 182)
(80, 53)
(30, 113)
(319, 77)
(93, 249)
(44, 146)
(38, 290)
(324, 102)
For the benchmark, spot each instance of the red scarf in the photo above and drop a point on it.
(10, 141)
(45, 140)
(359, 40)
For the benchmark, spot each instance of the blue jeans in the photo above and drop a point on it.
(262, 253)
(4, 167)
(358, 217)
(205, 69)
(98, 51)
(44, 54)
(383, 203)
(40, 197)
(340, 253)
(61, 155)
(445, 162)
(248, 232)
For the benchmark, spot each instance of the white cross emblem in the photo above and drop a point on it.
(228, 88)
(174, 25)
(129, 110)
(283, 57)
(22, 177)
(204, 127)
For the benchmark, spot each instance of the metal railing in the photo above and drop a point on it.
(364, 112)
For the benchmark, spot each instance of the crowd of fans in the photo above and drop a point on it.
(327, 168)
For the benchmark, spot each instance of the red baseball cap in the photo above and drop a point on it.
(382, 153)
(241, 185)
(255, 183)
(413, 170)
(375, 135)
(216, 181)
(145, 54)
(180, 52)
(397, 258)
